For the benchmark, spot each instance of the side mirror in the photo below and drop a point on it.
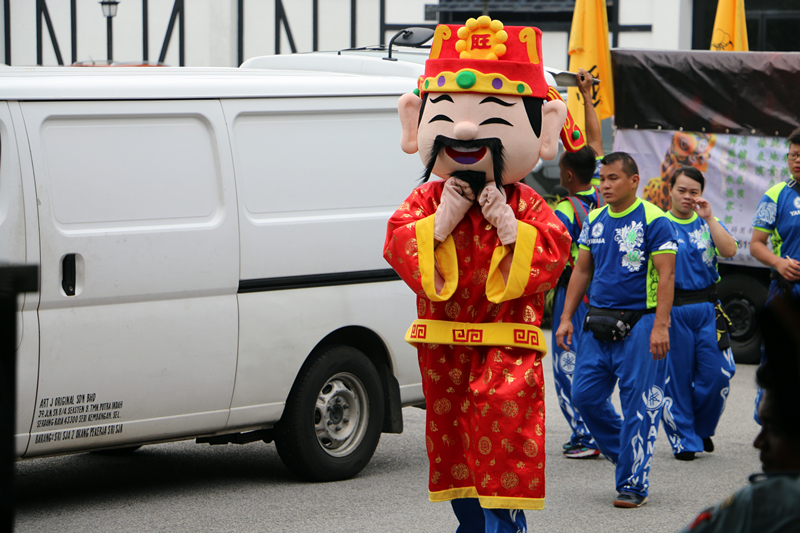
(413, 37)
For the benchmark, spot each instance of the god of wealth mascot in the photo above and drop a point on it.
(480, 250)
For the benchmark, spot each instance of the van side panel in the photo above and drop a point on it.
(141, 195)
(14, 231)
(317, 181)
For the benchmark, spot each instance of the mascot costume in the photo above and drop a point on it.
(481, 250)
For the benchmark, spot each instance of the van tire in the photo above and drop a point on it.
(333, 417)
(741, 296)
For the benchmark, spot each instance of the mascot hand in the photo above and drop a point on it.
(457, 198)
(499, 213)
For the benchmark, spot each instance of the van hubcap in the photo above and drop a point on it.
(340, 414)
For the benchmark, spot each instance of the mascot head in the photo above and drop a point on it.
(481, 111)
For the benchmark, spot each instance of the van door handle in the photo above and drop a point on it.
(68, 274)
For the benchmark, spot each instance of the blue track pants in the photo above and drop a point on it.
(628, 443)
(698, 379)
(472, 518)
(563, 368)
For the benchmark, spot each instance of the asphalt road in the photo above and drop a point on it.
(184, 486)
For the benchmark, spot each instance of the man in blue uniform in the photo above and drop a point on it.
(701, 362)
(778, 218)
(576, 172)
(627, 250)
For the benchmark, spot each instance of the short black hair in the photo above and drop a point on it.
(794, 137)
(583, 163)
(533, 108)
(629, 166)
(779, 374)
(691, 173)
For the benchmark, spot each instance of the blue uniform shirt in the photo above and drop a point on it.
(779, 215)
(696, 263)
(566, 214)
(622, 246)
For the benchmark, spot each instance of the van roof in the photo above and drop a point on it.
(130, 83)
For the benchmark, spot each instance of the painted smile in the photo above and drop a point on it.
(465, 157)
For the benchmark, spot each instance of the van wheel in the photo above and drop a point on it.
(741, 296)
(333, 417)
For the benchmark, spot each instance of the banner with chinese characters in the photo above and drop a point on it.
(738, 170)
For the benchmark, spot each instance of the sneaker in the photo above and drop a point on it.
(566, 446)
(579, 451)
(685, 456)
(708, 445)
(629, 500)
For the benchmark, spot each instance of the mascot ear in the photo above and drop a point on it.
(408, 109)
(554, 113)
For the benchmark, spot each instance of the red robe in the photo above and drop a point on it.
(479, 344)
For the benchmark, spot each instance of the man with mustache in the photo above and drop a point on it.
(481, 250)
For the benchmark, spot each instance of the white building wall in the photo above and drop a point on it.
(211, 28)
(671, 22)
(210, 33)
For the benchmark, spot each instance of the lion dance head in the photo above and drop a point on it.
(686, 149)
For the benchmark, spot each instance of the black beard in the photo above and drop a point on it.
(476, 179)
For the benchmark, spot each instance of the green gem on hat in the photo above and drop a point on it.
(466, 79)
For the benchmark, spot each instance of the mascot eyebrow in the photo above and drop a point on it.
(495, 100)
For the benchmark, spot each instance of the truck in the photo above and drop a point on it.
(728, 114)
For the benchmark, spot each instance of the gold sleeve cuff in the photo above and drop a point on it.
(497, 290)
(444, 255)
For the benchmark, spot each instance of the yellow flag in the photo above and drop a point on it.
(588, 49)
(730, 29)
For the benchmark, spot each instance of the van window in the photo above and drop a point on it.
(122, 171)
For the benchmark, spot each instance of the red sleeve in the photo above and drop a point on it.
(400, 249)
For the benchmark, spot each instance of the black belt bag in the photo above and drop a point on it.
(784, 284)
(612, 325)
(709, 294)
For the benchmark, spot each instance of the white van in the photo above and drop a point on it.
(210, 250)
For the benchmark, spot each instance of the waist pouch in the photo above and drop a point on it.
(784, 284)
(709, 294)
(612, 325)
(724, 326)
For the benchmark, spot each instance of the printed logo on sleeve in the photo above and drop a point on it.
(765, 214)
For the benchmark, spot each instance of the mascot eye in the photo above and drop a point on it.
(495, 120)
(440, 117)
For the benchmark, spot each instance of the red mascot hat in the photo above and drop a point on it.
(483, 56)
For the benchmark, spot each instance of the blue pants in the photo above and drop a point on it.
(563, 368)
(472, 518)
(629, 444)
(698, 379)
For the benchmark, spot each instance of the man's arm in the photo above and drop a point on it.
(786, 266)
(578, 283)
(594, 136)
(664, 264)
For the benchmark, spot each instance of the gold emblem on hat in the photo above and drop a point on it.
(481, 38)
